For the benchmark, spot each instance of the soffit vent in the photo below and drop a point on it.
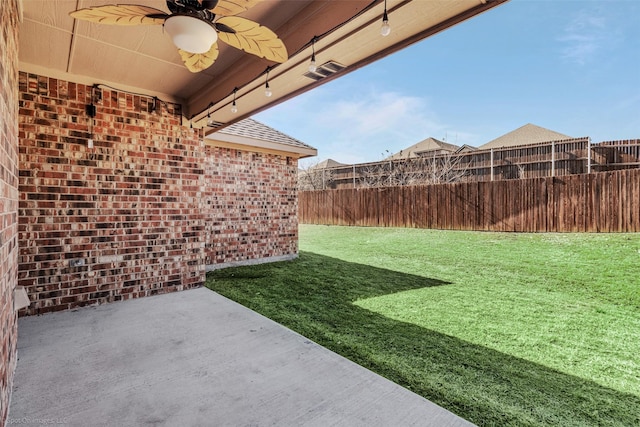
(325, 70)
(215, 125)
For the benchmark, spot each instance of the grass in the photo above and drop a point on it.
(499, 328)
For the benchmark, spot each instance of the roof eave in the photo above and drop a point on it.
(253, 144)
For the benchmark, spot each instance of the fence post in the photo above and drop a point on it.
(492, 164)
(553, 158)
(354, 175)
(589, 155)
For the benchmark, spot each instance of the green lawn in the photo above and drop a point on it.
(499, 328)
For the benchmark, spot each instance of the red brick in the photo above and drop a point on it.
(9, 82)
(158, 208)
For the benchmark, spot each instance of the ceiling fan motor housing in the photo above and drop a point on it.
(191, 33)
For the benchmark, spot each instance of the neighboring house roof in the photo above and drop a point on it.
(464, 148)
(329, 163)
(429, 144)
(252, 133)
(527, 134)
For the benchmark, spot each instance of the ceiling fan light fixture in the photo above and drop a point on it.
(190, 34)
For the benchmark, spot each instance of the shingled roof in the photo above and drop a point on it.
(527, 134)
(253, 133)
(422, 147)
(328, 163)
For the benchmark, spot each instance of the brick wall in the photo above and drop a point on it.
(146, 210)
(252, 203)
(8, 196)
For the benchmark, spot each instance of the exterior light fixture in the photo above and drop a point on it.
(312, 65)
(156, 106)
(96, 94)
(267, 89)
(234, 107)
(91, 112)
(190, 34)
(385, 30)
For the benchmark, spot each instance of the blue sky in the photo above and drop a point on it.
(572, 66)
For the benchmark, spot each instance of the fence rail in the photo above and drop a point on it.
(596, 202)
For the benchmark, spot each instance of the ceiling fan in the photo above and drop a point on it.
(195, 27)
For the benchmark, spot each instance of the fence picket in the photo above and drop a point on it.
(597, 202)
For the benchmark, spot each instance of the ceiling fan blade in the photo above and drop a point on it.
(196, 62)
(253, 38)
(209, 4)
(223, 28)
(125, 14)
(232, 7)
(162, 16)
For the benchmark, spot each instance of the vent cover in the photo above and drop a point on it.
(325, 70)
(215, 125)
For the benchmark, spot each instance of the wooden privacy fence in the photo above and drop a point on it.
(596, 202)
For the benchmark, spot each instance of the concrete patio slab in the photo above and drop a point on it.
(195, 358)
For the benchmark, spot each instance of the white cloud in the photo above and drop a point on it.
(381, 114)
(353, 124)
(351, 120)
(586, 36)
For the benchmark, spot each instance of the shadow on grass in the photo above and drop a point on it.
(314, 296)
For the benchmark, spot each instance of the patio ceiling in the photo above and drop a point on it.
(143, 59)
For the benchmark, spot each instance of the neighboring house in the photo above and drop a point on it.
(328, 163)
(464, 148)
(426, 147)
(616, 155)
(531, 151)
(525, 135)
(523, 152)
(318, 176)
